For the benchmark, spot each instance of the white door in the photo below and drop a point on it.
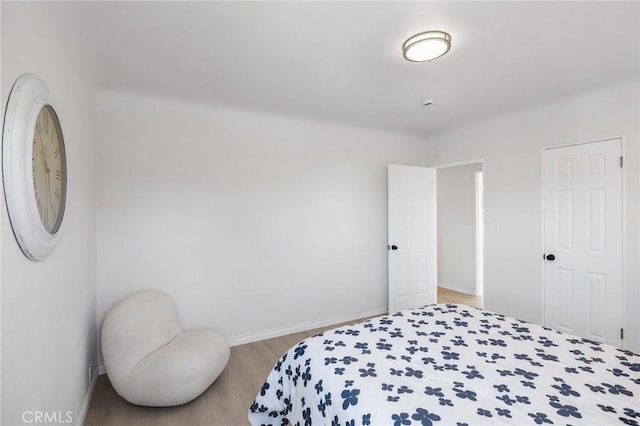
(583, 240)
(412, 236)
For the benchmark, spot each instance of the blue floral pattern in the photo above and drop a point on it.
(449, 365)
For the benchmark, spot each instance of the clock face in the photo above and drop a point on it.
(49, 169)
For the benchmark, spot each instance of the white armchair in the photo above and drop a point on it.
(149, 359)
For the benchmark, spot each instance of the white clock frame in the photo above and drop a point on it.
(28, 96)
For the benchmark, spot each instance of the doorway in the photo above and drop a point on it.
(460, 232)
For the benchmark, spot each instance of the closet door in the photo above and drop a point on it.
(583, 240)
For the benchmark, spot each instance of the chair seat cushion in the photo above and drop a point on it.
(179, 371)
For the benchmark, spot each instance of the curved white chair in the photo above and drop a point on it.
(149, 359)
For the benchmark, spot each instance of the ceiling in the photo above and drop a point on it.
(341, 61)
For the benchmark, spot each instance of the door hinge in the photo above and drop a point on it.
(622, 334)
(621, 161)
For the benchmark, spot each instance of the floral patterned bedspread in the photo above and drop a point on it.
(450, 365)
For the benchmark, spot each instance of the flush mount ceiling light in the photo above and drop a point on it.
(426, 46)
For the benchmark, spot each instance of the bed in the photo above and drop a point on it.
(449, 365)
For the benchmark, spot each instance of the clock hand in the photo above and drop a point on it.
(48, 197)
(48, 184)
(44, 158)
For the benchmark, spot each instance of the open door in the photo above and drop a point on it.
(412, 237)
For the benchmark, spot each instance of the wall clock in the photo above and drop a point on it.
(34, 167)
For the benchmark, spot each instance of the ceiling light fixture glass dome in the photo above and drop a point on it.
(426, 46)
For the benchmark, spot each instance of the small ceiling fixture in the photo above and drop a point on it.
(426, 46)
(428, 102)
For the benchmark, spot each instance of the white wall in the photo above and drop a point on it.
(512, 149)
(250, 222)
(457, 227)
(49, 307)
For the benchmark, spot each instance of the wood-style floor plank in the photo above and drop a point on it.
(450, 296)
(227, 401)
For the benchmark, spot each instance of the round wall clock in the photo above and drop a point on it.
(34, 167)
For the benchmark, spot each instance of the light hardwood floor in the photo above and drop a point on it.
(226, 402)
(450, 296)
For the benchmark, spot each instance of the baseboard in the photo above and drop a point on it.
(283, 331)
(457, 289)
(87, 401)
(304, 326)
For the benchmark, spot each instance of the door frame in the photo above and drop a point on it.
(623, 207)
(480, 282)
(479, 187)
